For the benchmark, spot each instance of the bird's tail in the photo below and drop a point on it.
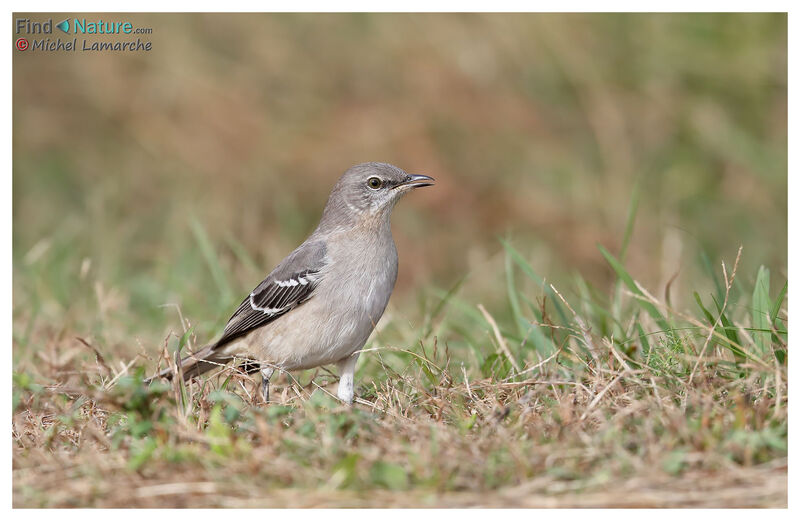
(194, 364)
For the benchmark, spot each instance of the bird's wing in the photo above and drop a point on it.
(289, 285)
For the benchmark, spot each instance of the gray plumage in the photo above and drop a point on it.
(321, 303)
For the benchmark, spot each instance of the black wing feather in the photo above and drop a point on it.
(276, 295)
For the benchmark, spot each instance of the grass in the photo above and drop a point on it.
(596, 400)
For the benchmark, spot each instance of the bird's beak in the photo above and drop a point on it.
(415, 181)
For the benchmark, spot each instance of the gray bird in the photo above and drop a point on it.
(320, 304)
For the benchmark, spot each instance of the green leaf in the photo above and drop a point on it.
(345, 471)
(389, 475)
(141, 452)
(184, 339)
(232, 405)
(322, 401)
(674, 462)
(218, 432)
(278, 411)
(140, 429)
(465, 424)
(762, 311)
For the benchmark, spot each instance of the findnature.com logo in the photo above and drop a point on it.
(79, 26)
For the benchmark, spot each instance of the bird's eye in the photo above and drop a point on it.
(374, 183)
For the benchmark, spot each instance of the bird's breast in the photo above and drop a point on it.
(346, 306)
(363, 274)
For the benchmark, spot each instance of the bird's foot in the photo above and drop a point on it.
(347, 367)
(265, 390)
(346, 392)
(266, 374)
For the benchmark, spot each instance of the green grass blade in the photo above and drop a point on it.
(762, 310)
(780, 354)
(528, 270)
(596, 307)
(644, 342)
(212, 260)
(537, 314)
(625, 277)
(241, 253)
(443, 301)
(705, 261)
(707, 313)
(511, 289)
(776, 306)
(730, 333)
(633, 206)
(184, 339)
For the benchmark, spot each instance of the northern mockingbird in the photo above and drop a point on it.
(320, 304)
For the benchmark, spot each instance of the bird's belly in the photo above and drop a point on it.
(298, 341)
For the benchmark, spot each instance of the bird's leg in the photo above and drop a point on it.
(266, 373)
(347, 367)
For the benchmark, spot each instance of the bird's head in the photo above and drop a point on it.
(370, 191)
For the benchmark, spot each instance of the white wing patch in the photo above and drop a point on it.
(302, 281)
(266, 311)
(308, 278)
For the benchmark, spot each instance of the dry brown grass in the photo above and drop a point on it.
(606, 435)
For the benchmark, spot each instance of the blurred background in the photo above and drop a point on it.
(184, 174)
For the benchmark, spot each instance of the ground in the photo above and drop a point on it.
(689, 415)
